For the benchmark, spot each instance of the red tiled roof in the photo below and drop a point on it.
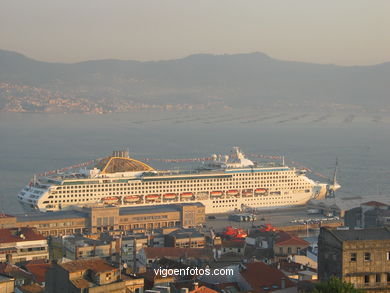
(19, 235)
(82, 283)
(14, 271)
(284, 238)
(260, 276)
(374, 204)
(38, 270)
(32, 288)
(203, 289)
(176, 252)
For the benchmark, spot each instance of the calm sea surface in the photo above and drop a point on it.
(34, 143)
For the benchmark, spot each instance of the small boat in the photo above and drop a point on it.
(133, 198)
(186, 195)
(152, 197)
(260, 191)
(169, 196)
(247, 193)
(233, 193)
(216, 193)
(110, 200)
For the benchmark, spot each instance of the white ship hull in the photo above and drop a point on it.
(222, 190)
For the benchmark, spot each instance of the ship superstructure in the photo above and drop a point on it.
(227, 183)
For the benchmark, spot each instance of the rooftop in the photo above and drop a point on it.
(263, 278)
(79, 240)
(160, 252)
(19, 235)
(97, 265)
(32, 288)
(284, 238)
(203, 289)
(38, 270)
(159, 208)
(381, 233)
(374, 203)
(233, 244)
(4, 278)
(348, 203)
(70, 214)
(186, 233)
(5, 215)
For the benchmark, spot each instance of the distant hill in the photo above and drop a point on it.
(240, 80)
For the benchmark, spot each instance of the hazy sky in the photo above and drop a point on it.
(343, 32)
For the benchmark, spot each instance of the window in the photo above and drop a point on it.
(367, 256)
(388, 277)
(353, 256)
(388, 255)
(378, 278)
(366, 279)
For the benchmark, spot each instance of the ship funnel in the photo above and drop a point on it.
(120, 153)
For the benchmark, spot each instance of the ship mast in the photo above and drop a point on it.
(334, 185)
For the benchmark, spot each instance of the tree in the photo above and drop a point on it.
(335, 285)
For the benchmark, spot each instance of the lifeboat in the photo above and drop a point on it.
(131, 198)
(216, 193)
(152, 197)
(186, 195)
(110, 199)
(233, 193)
(260, 191)
(247, 193)
(169, 196)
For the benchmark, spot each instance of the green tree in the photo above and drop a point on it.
(335, 285)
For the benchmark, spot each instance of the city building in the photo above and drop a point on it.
(89, 275)
(196, 256)
(102, 219)
(22, 244)
(131, 247)
(337, 206)
(38, 269)
(369, 214)
(187, 238)
(6, 284)
(77, 247)
(256, 277)
(21, 276)
(287, 244)
(361, 257)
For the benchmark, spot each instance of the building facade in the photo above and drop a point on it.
(102, 219)
(360, 257)
(22, 244)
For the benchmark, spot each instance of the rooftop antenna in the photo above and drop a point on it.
(283, 161)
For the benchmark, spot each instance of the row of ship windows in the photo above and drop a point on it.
(260, 180)
(138, 192)
(184, 186)
(267, 203)
(251, 199)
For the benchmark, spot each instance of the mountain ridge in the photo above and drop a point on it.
(233, 80)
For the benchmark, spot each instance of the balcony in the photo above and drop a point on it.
(373, 285)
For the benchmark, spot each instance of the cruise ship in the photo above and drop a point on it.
(226, 184)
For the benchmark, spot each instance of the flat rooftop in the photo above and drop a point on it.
(71, 214)
(154, 209)
(362, 234)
